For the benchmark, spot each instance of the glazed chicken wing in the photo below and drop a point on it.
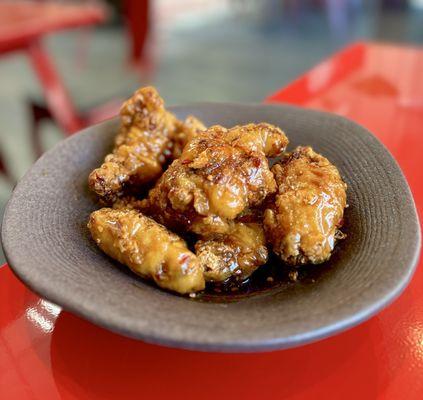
(219, 175)
(236, 254)
(142, 144)
(302, 223)
(147, 248)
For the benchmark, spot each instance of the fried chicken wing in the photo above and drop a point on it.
(142, 144)
(147, 248)
(236, 254)
(219, 175)
(303, 221)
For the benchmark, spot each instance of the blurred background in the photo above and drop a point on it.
(67, 64)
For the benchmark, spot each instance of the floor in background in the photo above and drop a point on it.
(238, 59)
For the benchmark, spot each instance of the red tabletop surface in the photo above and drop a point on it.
(46, 353)
(22, 21)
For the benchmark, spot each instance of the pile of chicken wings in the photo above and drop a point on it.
(215, 185)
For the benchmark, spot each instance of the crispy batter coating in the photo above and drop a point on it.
(238, 253)
(303, 221)
(142, 144)
(147, 248)
(219, 175)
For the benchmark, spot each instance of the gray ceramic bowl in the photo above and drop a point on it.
(48, 245)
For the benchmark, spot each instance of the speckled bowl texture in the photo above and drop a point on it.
(48, 246)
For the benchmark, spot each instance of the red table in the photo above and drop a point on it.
(46, 353)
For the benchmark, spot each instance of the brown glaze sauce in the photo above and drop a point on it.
(273, 276)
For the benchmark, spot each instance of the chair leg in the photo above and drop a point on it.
(137, 17)
(38, 113)
(57, 98)
(5, 171)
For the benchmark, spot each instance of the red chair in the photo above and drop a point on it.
(22, 26)
(136, 14)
